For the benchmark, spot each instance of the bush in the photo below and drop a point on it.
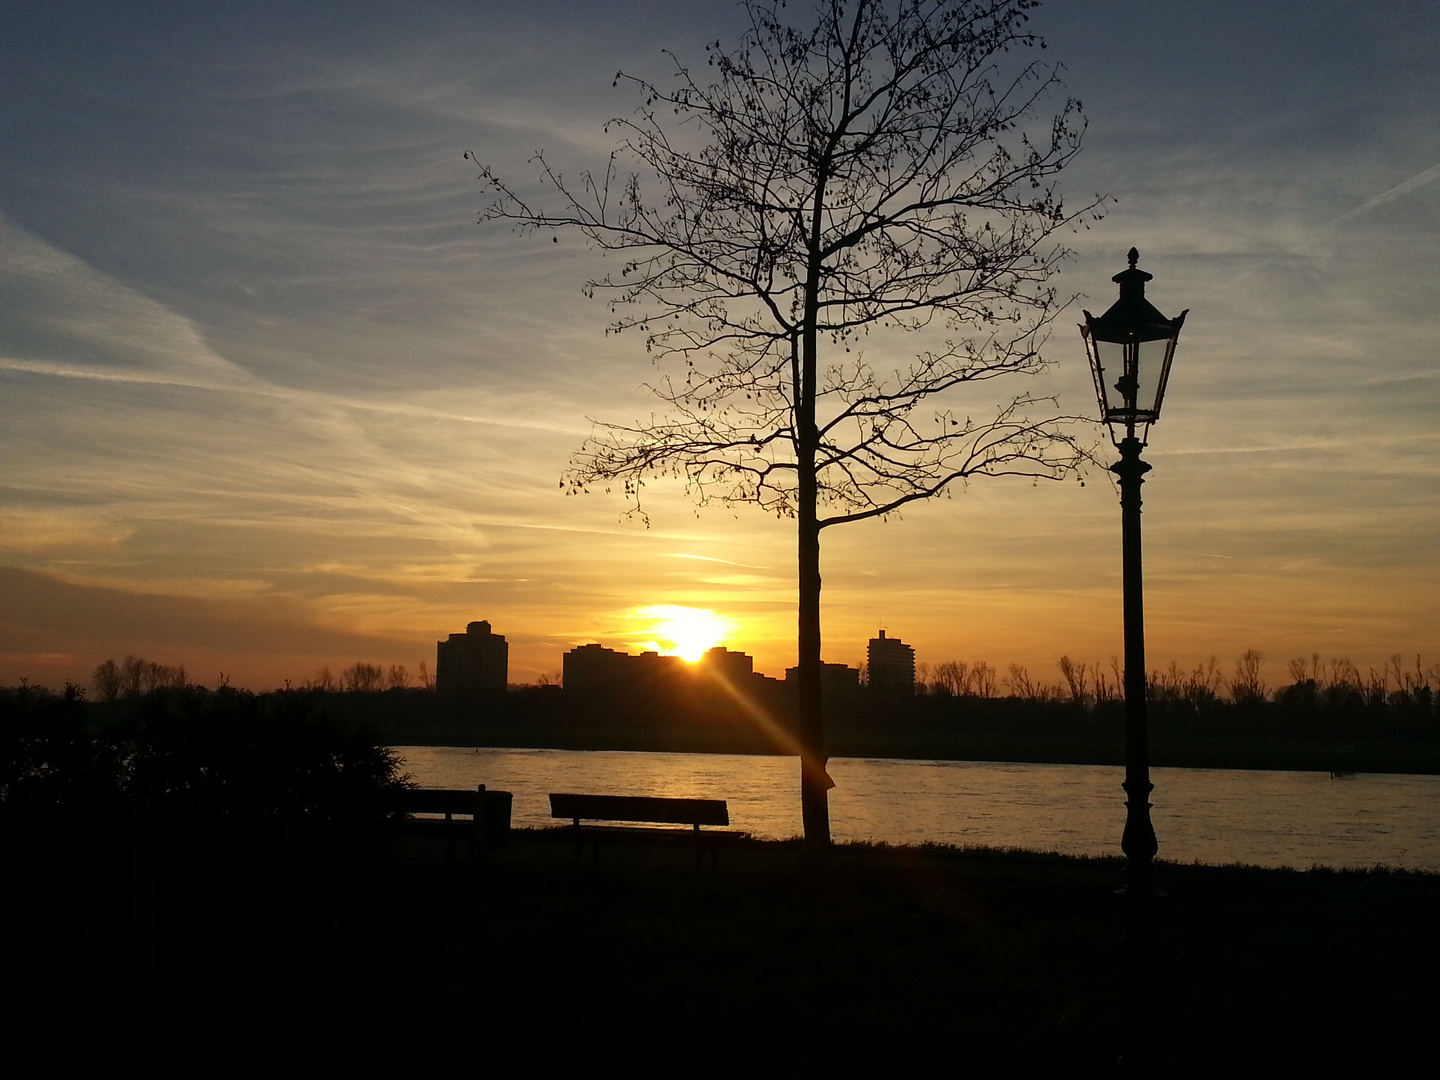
(190, 753)
(47, 759)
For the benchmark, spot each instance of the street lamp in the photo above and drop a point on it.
(1130, 349)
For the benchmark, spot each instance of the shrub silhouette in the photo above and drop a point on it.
(47, 759)
(190, 753)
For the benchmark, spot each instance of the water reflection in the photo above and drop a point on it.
(1202, 815)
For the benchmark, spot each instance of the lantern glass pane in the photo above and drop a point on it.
(1110, 356)
(1151, 366)
(1130, 377)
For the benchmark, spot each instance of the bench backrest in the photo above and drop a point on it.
(446, 800)
(646, 808)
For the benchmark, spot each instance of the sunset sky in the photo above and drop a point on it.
(272, 399)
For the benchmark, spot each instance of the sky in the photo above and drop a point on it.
(272, 399)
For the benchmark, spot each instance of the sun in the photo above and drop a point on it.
(683, 631)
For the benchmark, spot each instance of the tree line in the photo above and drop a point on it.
(1336, 682)
(363, 678)
(134, 677)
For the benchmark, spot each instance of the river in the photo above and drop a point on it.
(1215, 816)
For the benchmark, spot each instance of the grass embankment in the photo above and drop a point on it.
(909, 957)
(902, 958)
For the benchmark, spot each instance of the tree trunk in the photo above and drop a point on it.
(815, 782)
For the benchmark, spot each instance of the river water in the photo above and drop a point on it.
(1215, 816)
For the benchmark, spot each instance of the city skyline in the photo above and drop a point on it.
(270, 399)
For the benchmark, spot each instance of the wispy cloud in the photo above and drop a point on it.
(709, 558)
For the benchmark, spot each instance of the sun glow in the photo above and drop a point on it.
(685, 632)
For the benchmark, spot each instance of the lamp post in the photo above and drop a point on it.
(1130, 349)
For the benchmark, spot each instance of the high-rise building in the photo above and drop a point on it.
(587, 668)
(473, 663)
(736, 668)
(892, 665)
(837, 681)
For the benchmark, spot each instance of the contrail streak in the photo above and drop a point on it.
(1429, 176)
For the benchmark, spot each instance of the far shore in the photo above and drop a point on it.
(1267, 735)
(1415, 758)
(1274, 734)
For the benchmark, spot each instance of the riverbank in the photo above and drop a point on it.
(1263, 735)
(1287, 753)
(1000, 963)
(1266, 736)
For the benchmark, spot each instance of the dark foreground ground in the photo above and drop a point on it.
(213, 955)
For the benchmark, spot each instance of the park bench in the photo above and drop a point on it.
(642, 810)
(486, 814)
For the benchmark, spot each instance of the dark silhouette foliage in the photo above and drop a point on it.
(47, 757)
(195, 754)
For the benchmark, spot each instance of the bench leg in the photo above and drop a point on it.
(476, 834)
(581, 841)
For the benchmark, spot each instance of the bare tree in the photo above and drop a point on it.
(157, 676)
(1076, 679)
(132, 676)
(1020, 683)
(952, 677)
(362, 678)
(982, 679)
(1247, 686)
(1027, 689)
(1105, 690)
(882, 166)
(106, 680)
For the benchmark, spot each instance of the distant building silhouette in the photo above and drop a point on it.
(735, 667)
(594, 667)
(837, 682)
(473, 663)
(591, 668)
(717, 701)
(892, 666)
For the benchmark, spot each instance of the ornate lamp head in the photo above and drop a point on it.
(1130, 349)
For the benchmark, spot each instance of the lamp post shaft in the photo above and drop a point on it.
(1138, 841)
